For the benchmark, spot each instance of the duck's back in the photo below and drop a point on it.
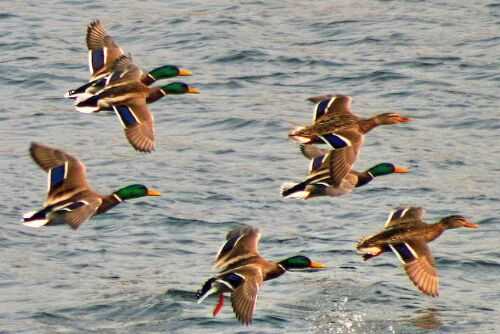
(399, 233)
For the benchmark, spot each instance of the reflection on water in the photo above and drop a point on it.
(427, 319)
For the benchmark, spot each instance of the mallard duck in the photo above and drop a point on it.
(333, 114)
(331, 175)
(162, 72)
(406, 235)
(243, 270)
(129, 78)
(103, 53)
(129, 97)
(70, 199)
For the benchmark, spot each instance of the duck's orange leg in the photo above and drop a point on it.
(219, 305)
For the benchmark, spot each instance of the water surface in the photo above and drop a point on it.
(222, 155)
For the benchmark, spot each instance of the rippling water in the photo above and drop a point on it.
(222, 156)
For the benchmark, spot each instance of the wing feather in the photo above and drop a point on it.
(138, 124)
(241, 243)
(76, 213)
(405, 215)
(244, 298)
(327, 105)
(422, 271)
(95, 35)
(311, 151)
(123, 69)
(49, 159)
(341, 161)
(103, 51)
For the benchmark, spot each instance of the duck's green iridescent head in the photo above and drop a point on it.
(135, 191)
(178, 88)
(168, 71)
(300, 262)
(386, 168)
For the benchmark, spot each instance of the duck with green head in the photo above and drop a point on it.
(243, 271)
(103, 53)
(126, 82)
(70, 199)
(128, 97)
(330, 175)
(159, 73)
(406, 235)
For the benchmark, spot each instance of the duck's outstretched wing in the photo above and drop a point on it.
(244, 297)
(76, 213)
(241, 243)
(342, 159)
(340, 164)
(312, 151)
(66, 174)
(345, 146)
(138, 124)
(405, 215)
(103, 51)
(418, 264)
(331, 105)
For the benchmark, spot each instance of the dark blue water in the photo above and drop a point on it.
(222, 156)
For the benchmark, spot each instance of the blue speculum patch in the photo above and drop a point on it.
(57, 176)
(233, 279)
(97, 59)
(334, 141)
(316, 163)
(398, 213)
(126, 115)
(321, 109)
(404, 252)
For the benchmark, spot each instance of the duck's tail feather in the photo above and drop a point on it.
(35, 218)
(294, 190)
(206, 290)
(79, 92)
(87, 103)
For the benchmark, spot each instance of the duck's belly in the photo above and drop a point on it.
(344, 188)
